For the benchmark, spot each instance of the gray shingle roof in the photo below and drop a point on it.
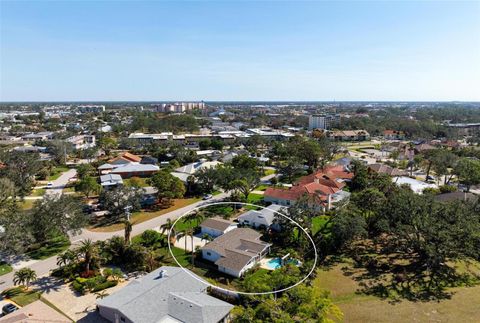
(175, 296)
(237, 247)
(216, 223)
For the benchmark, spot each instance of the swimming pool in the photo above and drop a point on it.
(276, 263)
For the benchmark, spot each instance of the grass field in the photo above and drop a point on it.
(21, 296)
(57, 172)
(135, 181)
(53, 247)
(139, 217)
(38, 192)
(267, 172)
(463, 306)
(5, 268)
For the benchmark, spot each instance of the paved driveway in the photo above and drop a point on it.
(60, 183)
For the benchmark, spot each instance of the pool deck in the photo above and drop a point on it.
(263, 263)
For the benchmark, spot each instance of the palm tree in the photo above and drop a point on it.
(150, 260)
(207, 237)
(65, 258)
(168, 226)
(89, 252)
(101, 294)
(180, 235)
(128, 231)
(24, 276)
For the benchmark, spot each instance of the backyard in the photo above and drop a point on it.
(341, 281)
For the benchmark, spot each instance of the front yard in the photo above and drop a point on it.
(142, 216)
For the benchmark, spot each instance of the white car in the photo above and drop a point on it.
(207, 196)
(49, 185)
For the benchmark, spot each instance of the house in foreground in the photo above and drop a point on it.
(216, 226)
(236, 251)
(128, 165)
(166, 295)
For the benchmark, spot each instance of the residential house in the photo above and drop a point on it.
(393, 135)
(263, 218)
(349, 135)
(111, 180)
(190, 169)
(45, 135)
(236, 251)
(385, 169)
(128, 165)
(216, 226)
(323, 188)
(82, 142)
(166, 295)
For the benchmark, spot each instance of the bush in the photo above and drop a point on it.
(150, 237)
(104, 285)
(78, 287)
(447, 188)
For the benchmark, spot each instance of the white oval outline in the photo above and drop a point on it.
(234, 291)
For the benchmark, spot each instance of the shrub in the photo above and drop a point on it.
(447, 188)
(104, 285)
(78, 287)
(150, 238)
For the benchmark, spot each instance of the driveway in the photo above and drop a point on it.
(60, 183)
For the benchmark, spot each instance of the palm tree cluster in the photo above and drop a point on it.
(24, 277)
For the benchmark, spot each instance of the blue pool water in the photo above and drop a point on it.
(276, 263)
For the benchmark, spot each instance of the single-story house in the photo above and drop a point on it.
(125, 158)
(135, 169)
(261, 218)
(349, 135)
(190, 169)
(215, 227)
(111, 180)
(393, 135)
(416, 185)
(236, 251)
(385, 169)
(166, 295)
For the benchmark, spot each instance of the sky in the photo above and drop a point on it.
(226, 50)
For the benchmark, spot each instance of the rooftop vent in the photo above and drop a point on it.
(162, 273)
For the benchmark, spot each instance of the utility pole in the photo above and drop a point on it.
(127, 211)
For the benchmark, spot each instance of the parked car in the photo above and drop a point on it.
(9, 308)
(207, 196)
(49, 185)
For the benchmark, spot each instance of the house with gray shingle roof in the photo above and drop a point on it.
(236, 251)
(216, 226)
(168, 294)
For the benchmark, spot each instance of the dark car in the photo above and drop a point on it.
(9, 308)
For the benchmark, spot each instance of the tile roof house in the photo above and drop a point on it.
(236, 251)
(185, 171)
(321, 187)
(128, 165)
(168, 294)
(215, 227)
(349, 135)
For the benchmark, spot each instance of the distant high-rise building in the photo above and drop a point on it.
(179, 107)
(321, 121)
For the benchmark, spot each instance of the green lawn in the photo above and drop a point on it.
(139, 217)
(262, 187)
(5, 268)
(320, 222)
(57, 172)
(21, 296)
(255, 198)
(26, 204)
(53, 247)
(38, 192)
(267, 172)
(136, 181)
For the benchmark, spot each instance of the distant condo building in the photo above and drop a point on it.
(179, 107)
(321, 121)
(91, 108)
